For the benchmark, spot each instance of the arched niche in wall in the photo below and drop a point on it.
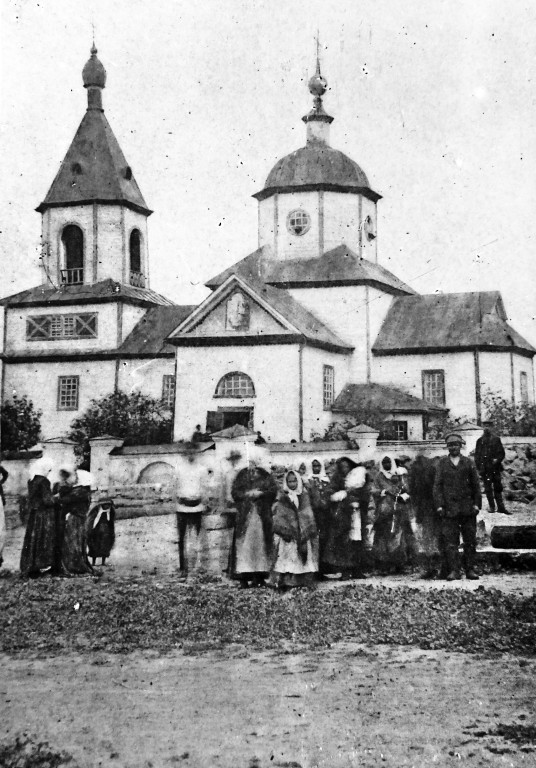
(135, 251)
(72, 242)
(156, 472)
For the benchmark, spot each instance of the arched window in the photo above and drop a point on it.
(72, 239)
(135, 251)
(235, 384)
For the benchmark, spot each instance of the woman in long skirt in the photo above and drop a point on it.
(386, 530)
(295, 536)
(341, 554)
(101, 530)
(421, 486)
(74, 494)
(318, 485)
(254, 491)
(40, 540)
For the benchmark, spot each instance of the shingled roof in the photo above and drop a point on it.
(149, 334)
(339, 266)
(388, 399)
(94, 170)
(451, 321)
(106, 290)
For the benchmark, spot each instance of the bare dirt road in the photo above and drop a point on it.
(346, 706)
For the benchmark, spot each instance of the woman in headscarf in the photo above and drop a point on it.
(318, 485)
(385, 493)
(340, 553)
(421, 486)
(101, 530)
(295, 533)
(39, 546)
(74, 494)
(254, 491)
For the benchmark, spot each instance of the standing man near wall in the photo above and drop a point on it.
(489, 455)
(190, 493)
(458, 501)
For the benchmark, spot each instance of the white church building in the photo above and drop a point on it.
(306, 330)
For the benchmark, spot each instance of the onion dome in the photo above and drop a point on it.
(94, 74)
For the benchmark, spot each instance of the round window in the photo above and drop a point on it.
(298, 222)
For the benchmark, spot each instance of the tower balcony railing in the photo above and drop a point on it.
(72, 276)
(137, 279)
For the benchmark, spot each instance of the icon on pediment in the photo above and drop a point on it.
(237, 313)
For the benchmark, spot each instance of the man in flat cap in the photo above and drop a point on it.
(458, 501)
(489, 455)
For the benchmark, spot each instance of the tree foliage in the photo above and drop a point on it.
(136, 418)
(20, 424)
(509, 418)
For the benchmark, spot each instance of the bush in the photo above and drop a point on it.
(20, 424)
(136, 418)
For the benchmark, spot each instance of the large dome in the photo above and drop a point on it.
(315, 165)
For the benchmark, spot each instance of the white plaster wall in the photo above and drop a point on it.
(369, 248)
(53, 222)
(343, 310)
(112, 243)
(315, 418)
(39, 381)
(378, 304)
(266, 224)
(289, 246)
(405, 372)
(341, 220)
(145, 375)
(495, 374)
(131, 316)
(106, 329)
(273, 369)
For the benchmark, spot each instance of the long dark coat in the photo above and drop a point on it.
(489, 454)
(457, 488)
(421, 488)
(40, 540)
(101, 537)
(340, 552)
(75, 502)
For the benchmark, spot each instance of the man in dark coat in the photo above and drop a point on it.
(489, 455)
(458, 501)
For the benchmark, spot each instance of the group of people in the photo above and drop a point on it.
(312, 526)
(62, 532)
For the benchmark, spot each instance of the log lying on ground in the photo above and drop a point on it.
(513, 537)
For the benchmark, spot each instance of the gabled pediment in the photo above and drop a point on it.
(236, 308)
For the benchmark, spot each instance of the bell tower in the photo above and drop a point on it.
(94, 217)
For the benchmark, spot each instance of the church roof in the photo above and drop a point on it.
(94, 170)
(388, 399)
(317, 166)
(149, 334)
(298, 322)
(339, 266)
(449, 321)
(106, 290)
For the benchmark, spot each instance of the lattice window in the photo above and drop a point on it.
(433, 387)
(45, 327)
(328, 379)
(524, 386)
(68, 391)
(235, 384)
(395, 430)
(168, 390)
(298, 222)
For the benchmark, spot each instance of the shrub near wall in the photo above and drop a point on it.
(519, 476)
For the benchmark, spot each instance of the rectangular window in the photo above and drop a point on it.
(168, 390)
(524, 386)
(433, 387)
(328, 386)
(46, 327)
(395, 430)
(68, 390)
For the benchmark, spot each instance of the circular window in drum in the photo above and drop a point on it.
(298, 222)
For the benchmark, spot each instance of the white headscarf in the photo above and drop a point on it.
(356, 478)
(322, 475)
(294, 495)
(85, 479)
(42, 467)
(392, 472)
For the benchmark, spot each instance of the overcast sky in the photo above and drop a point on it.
(436, 101)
